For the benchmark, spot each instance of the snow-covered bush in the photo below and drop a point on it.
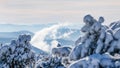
(61, 51)
(114, 25)
(57, 59)
(97, 39)
(18, 54)
(50, 62)
(97, 61)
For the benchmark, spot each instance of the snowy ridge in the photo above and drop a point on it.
(57, 32)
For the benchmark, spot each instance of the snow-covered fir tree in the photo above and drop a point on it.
(18, 54)
(55, 59)
(50, 62)
(98, 47)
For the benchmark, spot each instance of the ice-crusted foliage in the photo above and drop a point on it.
(57, 59)
(114, 25)
(18, 54)
(61, 51)
(50, 62)
(97, 61)
(97, 39)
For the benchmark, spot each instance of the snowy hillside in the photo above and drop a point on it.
(65, 36)
(93, 46)
(59, 33)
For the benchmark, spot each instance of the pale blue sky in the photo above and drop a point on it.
(52, 11)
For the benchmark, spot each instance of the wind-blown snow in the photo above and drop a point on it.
(66, 35)
(38, 39)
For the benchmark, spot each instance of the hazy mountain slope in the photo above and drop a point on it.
(6, 37)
